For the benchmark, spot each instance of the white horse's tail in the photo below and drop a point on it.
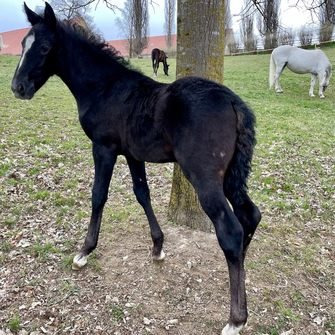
(1, 44)
(272, 71)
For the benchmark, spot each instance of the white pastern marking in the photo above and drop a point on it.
(29, 42)
(160, 257)
(231, 330)
(79, 262)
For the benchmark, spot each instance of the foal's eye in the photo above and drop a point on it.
(45, 49)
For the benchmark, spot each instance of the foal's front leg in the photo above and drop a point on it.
(142, 193)
(313, 79)
(104, 160)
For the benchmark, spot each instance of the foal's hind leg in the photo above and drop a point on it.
(248, 215)
(279, 69)
(104, 160)
(230, 236)
(209, 187)
(142, 193)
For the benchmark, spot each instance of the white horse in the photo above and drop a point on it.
(2, 45)
(300, 61)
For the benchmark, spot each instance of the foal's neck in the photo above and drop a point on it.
(81, 67)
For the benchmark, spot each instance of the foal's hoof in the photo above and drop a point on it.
(78, 262)
(160, 257)
(231, 330)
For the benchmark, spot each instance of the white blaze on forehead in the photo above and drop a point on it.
(29, 42)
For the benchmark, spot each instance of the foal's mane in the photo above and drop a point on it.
(74, 28)
(98, 43)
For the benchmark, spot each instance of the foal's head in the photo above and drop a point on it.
(39, 49)
(326, 77)
(166, 68)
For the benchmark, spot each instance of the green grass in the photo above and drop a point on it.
(14, 323)
(116, 313)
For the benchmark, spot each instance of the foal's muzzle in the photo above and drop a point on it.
(22, 91)
(324, 88)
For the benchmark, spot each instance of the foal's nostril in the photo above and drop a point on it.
(20, 88)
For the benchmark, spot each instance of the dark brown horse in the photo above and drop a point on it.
(200, 124)
(159, 56)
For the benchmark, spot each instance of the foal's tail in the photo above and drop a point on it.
(235, 184)
(272, 71)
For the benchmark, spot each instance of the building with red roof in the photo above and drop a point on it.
(14, 38)
(153, 42)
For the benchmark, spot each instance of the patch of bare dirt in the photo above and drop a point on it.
(122, 291)
(187, 293)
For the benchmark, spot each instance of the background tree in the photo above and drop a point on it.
(75, 9)
(248, 37)
(305, 35)
(228, 18)
(133, 25)
(234, 45)
(169, 9)
(125, 24)
(313, 6)
(286, 37)
(230, 41)
(268, 22)
(200, 52)
(327, 20)
(141, 25)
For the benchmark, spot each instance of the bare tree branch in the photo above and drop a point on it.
(109, 4)
(313, 6)
(134, 25)
(247, 31)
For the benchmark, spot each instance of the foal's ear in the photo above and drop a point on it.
(32, 17)
(49, 15)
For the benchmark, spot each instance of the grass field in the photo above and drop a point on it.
(46, 174)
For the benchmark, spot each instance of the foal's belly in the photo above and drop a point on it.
(152, 154)
(149, 150)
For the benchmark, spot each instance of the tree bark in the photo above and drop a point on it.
(200, 52)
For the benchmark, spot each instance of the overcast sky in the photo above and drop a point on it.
(12, 16)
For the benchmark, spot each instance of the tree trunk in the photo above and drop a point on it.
(170, 6)
(200, 52)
